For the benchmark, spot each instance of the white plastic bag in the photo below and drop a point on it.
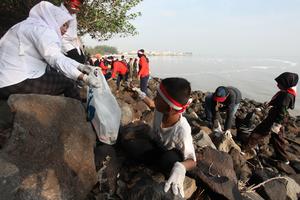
(103, 110)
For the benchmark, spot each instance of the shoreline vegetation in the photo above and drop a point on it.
(110, 50)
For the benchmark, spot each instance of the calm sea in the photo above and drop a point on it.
(253, 76)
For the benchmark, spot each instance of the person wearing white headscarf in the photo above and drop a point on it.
(71, 44)
(31, 60)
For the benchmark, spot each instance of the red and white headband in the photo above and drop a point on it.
(172, 102)
(140, 52)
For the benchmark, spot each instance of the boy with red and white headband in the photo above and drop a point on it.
(171, 145)
(70, 41)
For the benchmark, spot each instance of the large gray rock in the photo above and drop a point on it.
(50, 152)
(202, 140)
(127, 113)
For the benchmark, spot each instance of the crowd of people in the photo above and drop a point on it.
(43, 55)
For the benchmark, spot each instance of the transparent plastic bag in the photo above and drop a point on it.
(103, 110)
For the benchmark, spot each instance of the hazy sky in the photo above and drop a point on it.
(216, 27)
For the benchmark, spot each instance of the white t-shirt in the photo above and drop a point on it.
(178, 136)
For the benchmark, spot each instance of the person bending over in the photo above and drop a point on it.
(224, 99)
(32, 60)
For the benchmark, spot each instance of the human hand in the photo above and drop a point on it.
(141, 94)
(276, 128)
(91, 80)
(85, 68)
(228, 133)
(217, 126)
(176, 179)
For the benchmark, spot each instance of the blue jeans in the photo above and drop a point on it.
(144, 84)
(209, 109)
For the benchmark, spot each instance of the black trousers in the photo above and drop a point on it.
(51, 83)
(146, 151)
(76, 56)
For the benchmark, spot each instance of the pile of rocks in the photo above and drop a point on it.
(48, 151)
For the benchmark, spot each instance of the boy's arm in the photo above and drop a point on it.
(144, 97)
(149, 102)
(189, 164)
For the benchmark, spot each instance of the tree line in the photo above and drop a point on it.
(101, 19)
(102, 49)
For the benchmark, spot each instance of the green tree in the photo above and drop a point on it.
(102, 49)
(101, 19)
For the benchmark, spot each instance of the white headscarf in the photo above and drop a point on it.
(43, 14)
(47, 14)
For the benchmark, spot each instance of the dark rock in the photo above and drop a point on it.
(251, 196)
(108, 167)
(148, 117)
(274, 190)
(285, 168)
(50, 152)
(295, 177)
(4, 135)
(296, 165)
(261, 175)
(241, 168)
(6, 119)
(279, 188)
(146, 188)
(215, 172)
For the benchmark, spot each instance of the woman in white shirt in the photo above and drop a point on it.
(31, 60)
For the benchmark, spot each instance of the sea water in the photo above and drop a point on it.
(253, 76)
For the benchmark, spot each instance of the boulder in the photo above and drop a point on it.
(127, 113)
(215, 172)
(149, 188)
(223, 142)
(251, 196)
(279, 188)
(241, 168)
(202, 140)
(261, 175)
(50, 152)
(108, 167)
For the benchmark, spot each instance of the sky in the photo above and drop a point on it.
(215, 27)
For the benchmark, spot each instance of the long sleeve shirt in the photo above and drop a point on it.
(233, 99)
(119, 68)
(25, 51)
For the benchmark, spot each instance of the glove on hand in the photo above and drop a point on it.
(176, 179)
(217, 127)
(228, 133)
(276, 128)
(85, 68)
(91, 80)
(141, 94)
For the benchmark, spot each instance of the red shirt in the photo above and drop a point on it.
(120, 68)
(143, 67)
(103, 67)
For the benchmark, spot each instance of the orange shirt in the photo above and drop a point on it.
(120, 68)
(103, 67)
(143, 67)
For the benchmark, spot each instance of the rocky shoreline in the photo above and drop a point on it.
(46, 152)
